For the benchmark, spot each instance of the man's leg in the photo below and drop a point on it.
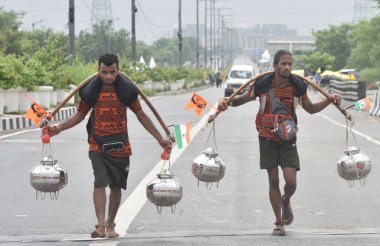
(99, 196)
(114, 203)
(274, 191)
(275, 199)
(290, 176)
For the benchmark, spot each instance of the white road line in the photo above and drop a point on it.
(136, 200)
(368, 138)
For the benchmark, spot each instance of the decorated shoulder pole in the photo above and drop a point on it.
(326, 94)
(347, 115)
(145, 98)
(47, 119)
(211, 118)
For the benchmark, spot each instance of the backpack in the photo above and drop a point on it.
(284, 123)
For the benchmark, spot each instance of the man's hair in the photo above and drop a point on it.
(278, 55)
(108, 59)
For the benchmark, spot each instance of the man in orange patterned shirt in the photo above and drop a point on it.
(283, 87)
(108, 95)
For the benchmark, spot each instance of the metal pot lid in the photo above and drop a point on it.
(210, 152)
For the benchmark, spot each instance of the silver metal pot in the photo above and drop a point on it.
(164, 191)
(48, 177)
(208, 167)
(354, 165)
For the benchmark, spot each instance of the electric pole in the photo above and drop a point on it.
(205, 33)
(197, 33)
(71, 28)
(133, 38)
(180, 33)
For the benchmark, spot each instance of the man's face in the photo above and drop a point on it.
(108, 74)
(284, 66)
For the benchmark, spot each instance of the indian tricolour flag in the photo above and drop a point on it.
(362, 104)
(182, 134)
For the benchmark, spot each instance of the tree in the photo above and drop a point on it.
(9, 35)
(336, 41)
(315, 60)
(100, 40)
(366, 52)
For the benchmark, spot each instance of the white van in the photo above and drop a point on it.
(238, 75)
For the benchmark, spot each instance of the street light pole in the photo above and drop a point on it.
(180, 32)
(133, 38)
(205, 34)
(72, 28)
(197, 33)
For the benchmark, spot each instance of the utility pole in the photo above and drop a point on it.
(205, 33)
(197, 33)
(133, 38)
(180, 32)
(72, 28)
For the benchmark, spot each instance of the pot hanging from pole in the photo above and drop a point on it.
(48, 177)
(354, 165)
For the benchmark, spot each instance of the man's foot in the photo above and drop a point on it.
(110, 230)
(98, 232)
(279, 230)
(287, 214)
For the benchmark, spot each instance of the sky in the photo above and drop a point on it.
(156, 18)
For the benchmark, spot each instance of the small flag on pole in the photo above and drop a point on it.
(198, 103)
(362, 104)
(182, 134)
(36, 113)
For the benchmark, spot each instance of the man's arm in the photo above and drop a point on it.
(70, 122)
(313, 108)
(247, 96)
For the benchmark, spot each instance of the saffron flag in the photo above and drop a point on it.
(182, 134)
(36, 113)
(362, 104)
(198, 103)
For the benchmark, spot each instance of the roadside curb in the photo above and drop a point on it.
(14, 122)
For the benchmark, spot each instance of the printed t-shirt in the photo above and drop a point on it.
(110, 117)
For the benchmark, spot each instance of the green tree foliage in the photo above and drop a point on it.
(13, 73)
(102, 39)
(336, 41)
(9, 35)
(366, 52)
(315, 60)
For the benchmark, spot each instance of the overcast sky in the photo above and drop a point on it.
(157, 17)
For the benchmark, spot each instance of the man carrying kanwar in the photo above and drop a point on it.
(276, 122)
(109, 95)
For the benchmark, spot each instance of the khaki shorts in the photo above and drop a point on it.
(278, 153)
(109, 170)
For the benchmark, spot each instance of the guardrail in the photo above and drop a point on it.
(13, 122)
(375, 108)
(349, 90)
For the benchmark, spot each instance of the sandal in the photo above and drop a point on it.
(96, 233)
(110, 230)
(287, 214)
(279, 230)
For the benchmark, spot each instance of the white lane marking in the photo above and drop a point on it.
(136, 200)
(368, 138)
(17, 133)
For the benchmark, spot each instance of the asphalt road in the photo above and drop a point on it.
(237, 212)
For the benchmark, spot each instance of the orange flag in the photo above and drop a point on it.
(198, 103)
(36, 113)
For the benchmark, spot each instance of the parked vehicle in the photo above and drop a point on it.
(238, 75)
